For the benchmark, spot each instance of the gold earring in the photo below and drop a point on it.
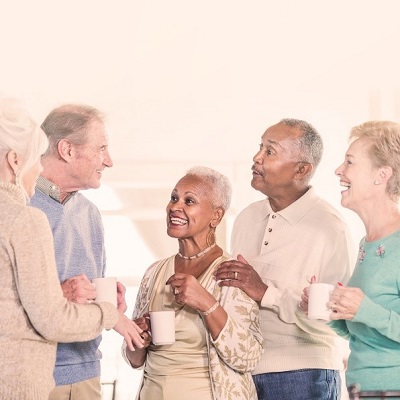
(211, 238)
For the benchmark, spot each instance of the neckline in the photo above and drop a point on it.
(198, 255)
(384, 238)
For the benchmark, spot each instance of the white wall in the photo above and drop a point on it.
(198, 82)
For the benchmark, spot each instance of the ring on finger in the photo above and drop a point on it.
(236, 275)
(176, 291)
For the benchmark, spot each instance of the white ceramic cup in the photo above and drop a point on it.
(106, 289)
(318, 301)
(162, 327)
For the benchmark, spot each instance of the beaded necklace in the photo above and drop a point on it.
(198, 255)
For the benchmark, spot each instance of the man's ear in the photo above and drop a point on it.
(303, 170)
(65, 149)
(13, 161)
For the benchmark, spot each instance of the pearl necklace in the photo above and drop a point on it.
(198, 255)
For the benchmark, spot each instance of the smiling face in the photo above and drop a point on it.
(91, 158)
(357, 174)
(276, 163)
(189, 212)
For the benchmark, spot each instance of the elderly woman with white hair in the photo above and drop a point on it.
(218, 339)
(34, 313)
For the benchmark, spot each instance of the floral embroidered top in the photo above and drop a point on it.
(374, 334)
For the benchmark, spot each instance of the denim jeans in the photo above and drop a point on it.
(303, 384)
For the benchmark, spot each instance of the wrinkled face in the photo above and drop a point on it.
(275, 163)
(189, 211)
(357, 175)
(91, 158)
(28, 180)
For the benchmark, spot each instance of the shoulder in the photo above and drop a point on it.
(324, 212)
(25, 219)
(252, 210)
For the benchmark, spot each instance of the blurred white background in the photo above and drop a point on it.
(189, 83)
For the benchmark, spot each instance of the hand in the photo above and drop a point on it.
(121, 303)
(130, 331)
(303, 304)
(304, 299)
(241, 274)
(345, 302)
(144, 324)
(78, 289)
(188, 290)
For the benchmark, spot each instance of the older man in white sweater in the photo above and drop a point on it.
(281, 243)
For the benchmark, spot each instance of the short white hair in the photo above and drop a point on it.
(221, 189)
(20, 133)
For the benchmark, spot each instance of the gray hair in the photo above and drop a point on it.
(20, 133)
(384, 149)
(70, 121)
(310, 142)
(220, 187)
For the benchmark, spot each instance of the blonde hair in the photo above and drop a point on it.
(384, 149)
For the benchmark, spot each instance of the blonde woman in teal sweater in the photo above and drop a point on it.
(367, 310)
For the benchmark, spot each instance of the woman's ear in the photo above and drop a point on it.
(13, 161)
(384, 174)
(217, 217)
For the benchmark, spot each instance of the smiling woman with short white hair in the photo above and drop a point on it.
(218, 339)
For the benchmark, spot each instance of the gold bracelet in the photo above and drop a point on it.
(211, 309)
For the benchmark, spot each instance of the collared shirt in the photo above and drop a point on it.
(286, 248)
(51, 189)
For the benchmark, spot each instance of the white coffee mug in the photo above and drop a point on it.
(162, 327)
(106, 289)
(318, 301)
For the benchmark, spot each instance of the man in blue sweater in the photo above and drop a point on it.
(75, 160)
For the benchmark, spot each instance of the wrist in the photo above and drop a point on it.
(261, 293)
(211, 309)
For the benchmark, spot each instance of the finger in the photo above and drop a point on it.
(304, 298)
(121, 288)
(175, 278)
(229, 282)
(242, 259)
(226, 266)
(137, 328)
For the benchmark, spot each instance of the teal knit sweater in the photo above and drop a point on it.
(374, 332)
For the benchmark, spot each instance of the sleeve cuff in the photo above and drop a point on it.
(271, 297)
(110, 314)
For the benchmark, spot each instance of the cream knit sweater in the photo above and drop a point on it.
(34, 315)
